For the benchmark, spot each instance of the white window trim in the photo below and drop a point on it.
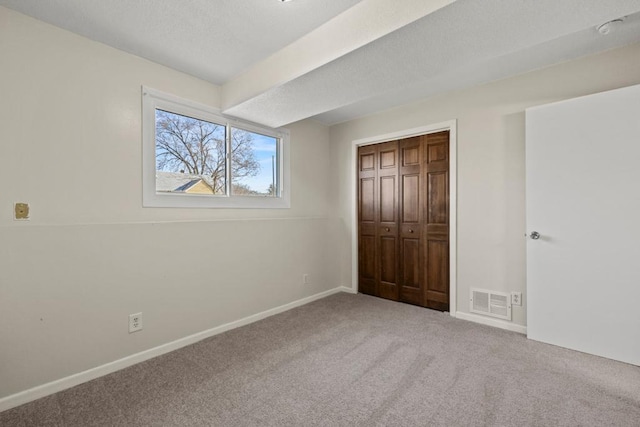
(153, 99)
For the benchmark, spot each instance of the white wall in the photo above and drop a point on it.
(491, 163)
(91, 254)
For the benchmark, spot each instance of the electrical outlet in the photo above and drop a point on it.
(305, 279)
(516, 298)
(135, 322)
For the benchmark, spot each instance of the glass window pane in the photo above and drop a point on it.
(190, 155)
(254, 164)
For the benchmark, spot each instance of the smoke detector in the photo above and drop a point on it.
(610, 26)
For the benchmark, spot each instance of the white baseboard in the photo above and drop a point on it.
(73, 380)
(496, 323)
(348, 290)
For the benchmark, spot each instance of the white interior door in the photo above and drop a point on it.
(583, 197)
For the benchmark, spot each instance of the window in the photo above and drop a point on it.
(195, 157)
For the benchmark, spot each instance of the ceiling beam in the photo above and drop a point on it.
(427, 55)
(358, 26)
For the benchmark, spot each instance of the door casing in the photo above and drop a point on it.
(449, 125)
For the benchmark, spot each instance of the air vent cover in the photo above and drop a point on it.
(491, 303)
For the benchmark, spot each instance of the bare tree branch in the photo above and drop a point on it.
(198, 147)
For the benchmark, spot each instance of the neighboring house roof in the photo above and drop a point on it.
(172, 182)
(188, 185)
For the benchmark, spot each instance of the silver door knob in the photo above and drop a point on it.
(534, 235)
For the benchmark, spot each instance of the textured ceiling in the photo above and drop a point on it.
(575, 45)
(336, 60)
(447, 49)
(210, 39)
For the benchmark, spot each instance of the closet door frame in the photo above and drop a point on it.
(450, 126)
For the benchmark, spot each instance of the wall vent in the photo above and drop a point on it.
(491, 303)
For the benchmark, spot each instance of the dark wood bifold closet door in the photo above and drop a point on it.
(436, 220)
(403, 214)
(378, 220)
(367, 196)
(411, 240)
(387, 221)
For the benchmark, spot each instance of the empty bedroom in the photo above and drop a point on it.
(301, 212)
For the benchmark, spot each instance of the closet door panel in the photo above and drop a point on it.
(438, 269)
(411, 199)
(437, 184)
(388, 260)
(388, 199)
(410, 264)
(366, 264)
(436, 245)
(367, 216)
(388, 267)
(411, 217)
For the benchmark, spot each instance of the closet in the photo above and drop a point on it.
(403, 220)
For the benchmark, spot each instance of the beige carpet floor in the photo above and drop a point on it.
(354, 360)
